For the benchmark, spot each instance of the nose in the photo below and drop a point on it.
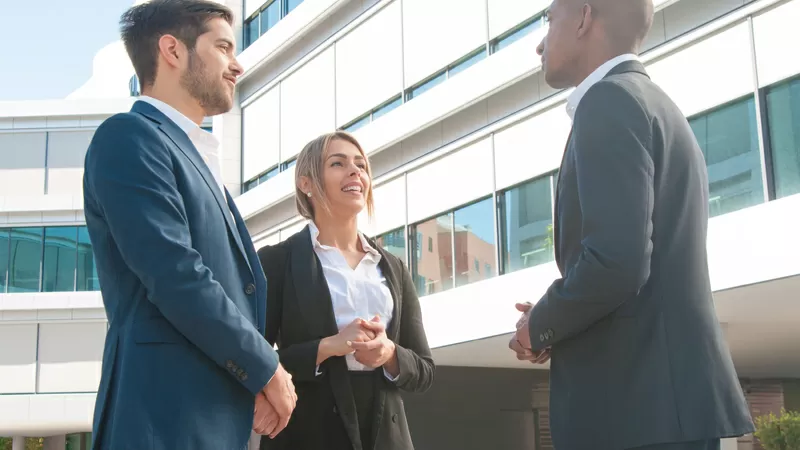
(540, 48)
(236, 68)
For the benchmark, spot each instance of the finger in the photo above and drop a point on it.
(368, 345)
(374, 326)
(523, 307)
(284, 420)
(377, 318)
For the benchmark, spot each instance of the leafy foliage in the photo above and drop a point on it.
(780, 432)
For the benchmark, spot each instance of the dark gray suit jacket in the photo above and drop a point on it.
(638, 355)
(300, 313)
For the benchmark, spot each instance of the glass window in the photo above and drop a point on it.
(783, 111)
(3, 259)
(527, 225)
(251, 31)
(515, 35)
(729, 140)
(250, 184)
(426, 86)
(25, 252)
(291, 5)
(467, 63)
(433, 271)
(474, 241)
(270, 16)
(60, 259)
(360, 122)
(288, 164)
(269, 174)
(387, 107)
(87, 269)
(394, 242)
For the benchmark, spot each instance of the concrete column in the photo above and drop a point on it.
(55, 442)
(729, 444)
(18, 443)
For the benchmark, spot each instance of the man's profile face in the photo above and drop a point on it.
(211, 74)
(559, 47)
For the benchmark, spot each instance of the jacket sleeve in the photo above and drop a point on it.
(417, 369)
(300, 360)
(615, 170)
(130, 181)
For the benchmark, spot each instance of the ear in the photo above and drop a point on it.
(586, 20)
(171, 50)
(304, 185)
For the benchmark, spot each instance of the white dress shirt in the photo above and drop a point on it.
(355, 293)
(206, 143)
(575, 97)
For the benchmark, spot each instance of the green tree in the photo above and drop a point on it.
(781, 432)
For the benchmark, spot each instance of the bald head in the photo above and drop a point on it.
(625, 22)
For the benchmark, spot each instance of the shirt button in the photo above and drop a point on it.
(250, 289)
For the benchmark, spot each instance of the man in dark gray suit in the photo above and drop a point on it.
(638, 356)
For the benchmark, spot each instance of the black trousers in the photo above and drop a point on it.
(711, 444)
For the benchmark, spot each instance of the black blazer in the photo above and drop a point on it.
(638, 354)
(300, 314)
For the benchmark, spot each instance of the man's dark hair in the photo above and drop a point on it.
(143, 25)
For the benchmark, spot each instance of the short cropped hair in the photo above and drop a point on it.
(143, 25)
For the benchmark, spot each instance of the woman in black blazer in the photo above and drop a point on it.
(343, 312)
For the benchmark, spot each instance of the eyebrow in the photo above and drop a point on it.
(342, 155)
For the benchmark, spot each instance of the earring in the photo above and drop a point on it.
(308, 194)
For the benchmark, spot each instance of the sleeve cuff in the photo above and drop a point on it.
(389, 376)
(317, 372)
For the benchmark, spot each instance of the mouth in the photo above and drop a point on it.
(353, 188)
(230, 80)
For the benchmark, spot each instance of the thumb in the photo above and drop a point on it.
(377, 318)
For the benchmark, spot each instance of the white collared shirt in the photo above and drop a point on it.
(575, 97)
(355, 293)
(206, 143)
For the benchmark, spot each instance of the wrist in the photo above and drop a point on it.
(324, 351)
(391, 365)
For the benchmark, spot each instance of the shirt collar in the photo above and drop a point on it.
(364, 242)
(575, 97)
(184, 123)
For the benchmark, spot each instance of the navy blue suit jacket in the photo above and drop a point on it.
(183, 288)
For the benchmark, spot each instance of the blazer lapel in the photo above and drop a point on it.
(556, 213)
(184, 144)
(314, 299)
(312, 290)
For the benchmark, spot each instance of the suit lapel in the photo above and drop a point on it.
(314, 299)
(558, 192)
(312, 290)
(184, 144)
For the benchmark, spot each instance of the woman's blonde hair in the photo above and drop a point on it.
(311, 164)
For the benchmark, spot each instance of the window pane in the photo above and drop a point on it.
(517, 35)
(394, 242)
(271, 173)
(729, 141)
(474, 239)
(386, 108)
(291, 5)
(3, 259)
(357, 124)
(424, 87)
(270, 16)
(467, 63)
(433, 271)
(288, 164)
(87, 270)
(527, 225)
(25, 259)
(251, 32)
(60, 257)
(783, 109)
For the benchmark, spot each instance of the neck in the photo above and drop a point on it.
(176, 97)
(338, 232)
(599, 56)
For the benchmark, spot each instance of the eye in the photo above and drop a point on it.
(336, 163)
(362, 166)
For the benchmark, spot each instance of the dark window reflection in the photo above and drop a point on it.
(60, 258)
(394, 242)
(3, 260)
(291, 5)
(729, 140)
(25, 260)
(87, 269)
(783, 111)
(270, 16)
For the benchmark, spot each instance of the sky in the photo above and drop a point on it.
(50, 44)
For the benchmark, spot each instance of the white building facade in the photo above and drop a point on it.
(465, 138)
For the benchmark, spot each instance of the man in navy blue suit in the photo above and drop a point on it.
(185, 364)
